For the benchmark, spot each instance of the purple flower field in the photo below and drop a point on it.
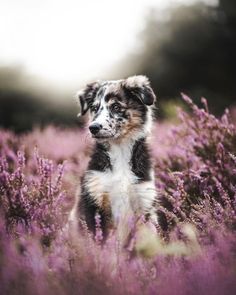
(194, 251)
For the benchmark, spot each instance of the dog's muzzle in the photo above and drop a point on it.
(95, 128)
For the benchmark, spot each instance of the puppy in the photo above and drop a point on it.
(119, 182)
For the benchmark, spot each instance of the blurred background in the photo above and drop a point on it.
(51, 48)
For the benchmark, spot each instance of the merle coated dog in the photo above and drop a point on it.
(119, 181)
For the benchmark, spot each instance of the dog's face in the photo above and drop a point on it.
(117, 108)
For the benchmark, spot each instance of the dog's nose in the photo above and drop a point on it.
(95, 128)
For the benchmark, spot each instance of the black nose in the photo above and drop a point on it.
(95, 128)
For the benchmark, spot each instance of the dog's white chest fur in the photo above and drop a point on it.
(121, 181)
(126, 195)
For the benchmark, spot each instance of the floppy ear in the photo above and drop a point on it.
(139, 86)
(86, 97)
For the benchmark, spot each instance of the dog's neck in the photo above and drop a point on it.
(124, 143)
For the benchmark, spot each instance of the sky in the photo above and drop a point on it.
(65, 41)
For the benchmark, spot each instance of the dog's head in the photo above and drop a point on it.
(117, 108)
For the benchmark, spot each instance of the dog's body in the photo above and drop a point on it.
(119, 182)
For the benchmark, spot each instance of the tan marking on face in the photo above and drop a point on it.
(134, 122)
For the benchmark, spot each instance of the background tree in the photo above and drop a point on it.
(26, 102)
(193, 50)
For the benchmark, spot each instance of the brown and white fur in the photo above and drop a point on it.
(119, 181)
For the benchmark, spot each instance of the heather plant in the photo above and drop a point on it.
(31, 201)
(68, 146)
(193, 251)
(196, 176)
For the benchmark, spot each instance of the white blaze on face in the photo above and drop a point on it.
(103, 116)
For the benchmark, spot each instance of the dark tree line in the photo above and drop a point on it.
(192, 51)
(26, 102)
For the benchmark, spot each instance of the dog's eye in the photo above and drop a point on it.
(115, 107)
(94, 108)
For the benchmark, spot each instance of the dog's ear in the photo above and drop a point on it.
(139, 87)
(86, 97)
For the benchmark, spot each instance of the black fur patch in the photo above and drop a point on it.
(87, 211)
(143, 93)
(134, 103)
(88, 96)
(140, 160)
(101, 92)
(100, 160)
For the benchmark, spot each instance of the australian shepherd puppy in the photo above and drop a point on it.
(119, 181)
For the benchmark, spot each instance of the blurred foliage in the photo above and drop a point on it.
(170, 109)
(191, 49)
(26, 102)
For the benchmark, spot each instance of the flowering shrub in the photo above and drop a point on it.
(196, 177)
(194, 250)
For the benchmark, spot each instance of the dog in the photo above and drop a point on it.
(119, 181)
